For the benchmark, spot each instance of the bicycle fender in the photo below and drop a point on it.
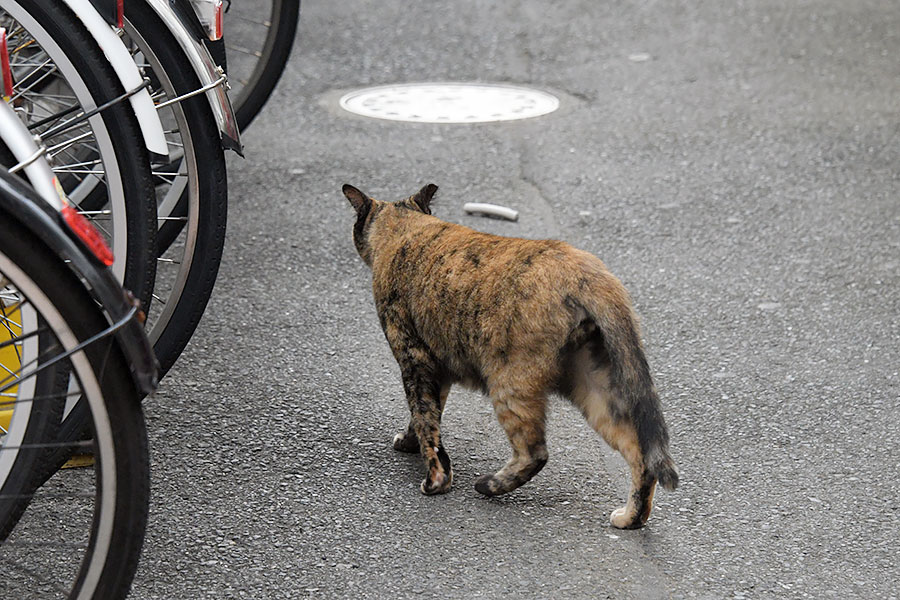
(123, 64)
(108, 9)
(208, 73)
(25, 149)
(21, 205)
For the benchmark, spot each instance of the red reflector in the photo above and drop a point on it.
(5, 71)
(218, 28)
(120, 13)
(87, 234)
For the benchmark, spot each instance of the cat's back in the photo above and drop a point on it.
(444, 243)
(421, 250)
(466, 258)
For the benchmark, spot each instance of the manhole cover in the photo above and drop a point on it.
(449, 102)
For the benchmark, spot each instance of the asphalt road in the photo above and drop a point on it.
(742, 182)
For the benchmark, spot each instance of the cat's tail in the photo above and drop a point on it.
(632, 384)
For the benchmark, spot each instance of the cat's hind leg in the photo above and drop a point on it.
(604, 411)
(424, 384)
(522, 416)
(423, 394)
(407, 441)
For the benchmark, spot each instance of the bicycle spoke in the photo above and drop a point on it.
(49, 445)
(59, 128)
(78, 172)
(243, 50)
(23, 91)
(266, 24)
(21, 338)
(18, 376)
(7, 321)
(6, 404)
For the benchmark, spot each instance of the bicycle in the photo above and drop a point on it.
(62, 313)
(189, 174)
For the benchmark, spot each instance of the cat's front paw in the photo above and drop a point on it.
(404, 442)
(622, 518)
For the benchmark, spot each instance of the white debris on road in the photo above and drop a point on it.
(491, 210)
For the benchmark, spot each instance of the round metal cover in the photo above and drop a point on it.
(449, 102)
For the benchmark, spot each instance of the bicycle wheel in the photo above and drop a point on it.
(192, 192)
(59, 72)
(259, 35)
(82, 533)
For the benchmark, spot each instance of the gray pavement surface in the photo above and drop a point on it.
(743, 183)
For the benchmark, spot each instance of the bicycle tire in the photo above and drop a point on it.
(126, 160)
(205, 202)
(276, 50)
(109, 560)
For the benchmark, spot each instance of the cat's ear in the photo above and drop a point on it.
(423, 198)
(361, 203)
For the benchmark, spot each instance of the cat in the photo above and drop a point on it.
(519, 320)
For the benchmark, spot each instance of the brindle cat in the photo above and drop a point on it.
(518, 319)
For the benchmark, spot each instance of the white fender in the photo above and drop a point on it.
(123, 64)
(206, 70)
(23, 146)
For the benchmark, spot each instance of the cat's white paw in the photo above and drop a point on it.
(619, 518)
(403, 442)
(622, 518)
